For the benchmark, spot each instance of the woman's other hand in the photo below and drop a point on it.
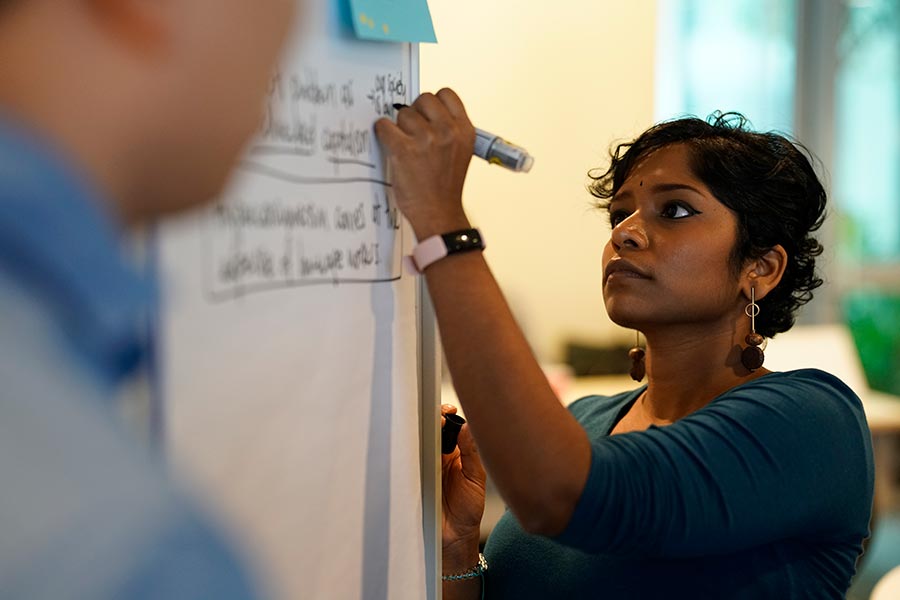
(463, 482)
(428, 152)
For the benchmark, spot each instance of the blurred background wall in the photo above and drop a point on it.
(563, 79)
(567, 79)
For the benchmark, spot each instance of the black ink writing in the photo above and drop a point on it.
(352, 220)
(305, 87)
(294, 129)
(272, 214)
(347, 98)
(345, 140)
(384, 213)
(322, 264)
(240, 265)
(366, 254)
(386, 90)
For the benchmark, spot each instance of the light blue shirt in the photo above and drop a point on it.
(85, 510)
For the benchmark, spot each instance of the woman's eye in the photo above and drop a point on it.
(677, 210)
(616, 217)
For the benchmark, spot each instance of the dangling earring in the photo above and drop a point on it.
(752, 356)
(636, 354)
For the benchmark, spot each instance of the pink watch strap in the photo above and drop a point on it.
(426, 252)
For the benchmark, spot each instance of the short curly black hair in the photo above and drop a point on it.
(767, 180)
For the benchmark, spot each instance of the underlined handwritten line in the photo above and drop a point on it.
(298, 179)
(287, 150)
(244, 289)
(349, 161)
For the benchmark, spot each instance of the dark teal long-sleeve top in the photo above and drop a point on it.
(766, 492)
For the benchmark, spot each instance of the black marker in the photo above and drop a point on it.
(497, 151)
(450, 432)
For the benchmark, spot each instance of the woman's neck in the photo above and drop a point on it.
(687, 369)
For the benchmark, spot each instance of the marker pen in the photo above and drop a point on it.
(450, 432)
(497, 151)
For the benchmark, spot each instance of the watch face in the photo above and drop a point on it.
(460, 241)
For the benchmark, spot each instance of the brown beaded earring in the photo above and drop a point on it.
(752, 356)
(636, 354)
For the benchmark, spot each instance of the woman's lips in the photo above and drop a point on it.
(622, 269)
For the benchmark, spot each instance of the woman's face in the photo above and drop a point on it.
(668, 258)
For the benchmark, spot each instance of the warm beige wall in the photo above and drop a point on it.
(563, 79)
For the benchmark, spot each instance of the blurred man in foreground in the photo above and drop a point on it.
(112, 114)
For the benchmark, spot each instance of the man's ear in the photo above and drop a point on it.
(142, 26)
(765, 272)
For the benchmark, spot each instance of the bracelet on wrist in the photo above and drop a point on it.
(476, 571)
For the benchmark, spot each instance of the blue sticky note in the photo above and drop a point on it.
(392, 20)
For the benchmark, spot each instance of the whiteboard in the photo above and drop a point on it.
(292, 350)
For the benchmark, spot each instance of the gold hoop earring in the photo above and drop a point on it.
(752, 357)
(637, 354)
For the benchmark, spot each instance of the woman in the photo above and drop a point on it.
(718, 478)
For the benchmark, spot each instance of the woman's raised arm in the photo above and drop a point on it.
(535, 451)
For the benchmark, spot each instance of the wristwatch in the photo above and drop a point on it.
(436, 247)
